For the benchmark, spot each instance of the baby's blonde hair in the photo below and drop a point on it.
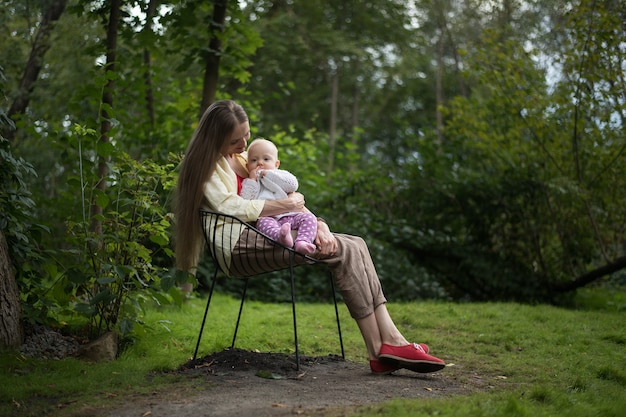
(259, 141)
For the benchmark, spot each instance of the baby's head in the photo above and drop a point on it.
(262, 154)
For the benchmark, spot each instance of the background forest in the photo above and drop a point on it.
(477, 145)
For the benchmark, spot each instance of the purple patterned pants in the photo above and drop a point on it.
(304, 223)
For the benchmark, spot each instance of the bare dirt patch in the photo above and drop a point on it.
(243, 383)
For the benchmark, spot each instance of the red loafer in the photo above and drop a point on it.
(412, 356)
(381, 368)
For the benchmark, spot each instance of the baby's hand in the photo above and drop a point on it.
(253, 173)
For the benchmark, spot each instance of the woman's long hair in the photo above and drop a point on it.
(205, 148)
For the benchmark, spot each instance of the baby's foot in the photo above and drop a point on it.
(284, 235)
(305, 247)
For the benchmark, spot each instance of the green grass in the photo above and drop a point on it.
(515, 360)
(540, 361)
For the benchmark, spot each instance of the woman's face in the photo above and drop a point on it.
(238, 140)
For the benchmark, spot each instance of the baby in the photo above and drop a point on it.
(267, 182)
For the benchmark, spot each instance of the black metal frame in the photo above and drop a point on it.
(210, 222)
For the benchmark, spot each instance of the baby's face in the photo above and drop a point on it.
(262, 156)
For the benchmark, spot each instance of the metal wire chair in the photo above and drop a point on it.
(221, 233)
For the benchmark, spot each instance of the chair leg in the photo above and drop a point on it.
(332, 288)
(293, 310)
(206, 310)
(243, 297)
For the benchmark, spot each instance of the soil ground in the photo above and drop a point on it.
(242, 383)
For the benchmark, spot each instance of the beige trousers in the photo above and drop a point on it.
(352, 268)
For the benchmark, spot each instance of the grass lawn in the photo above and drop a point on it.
(531, 360)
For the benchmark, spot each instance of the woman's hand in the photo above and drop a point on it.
(297, 201)
(325, 241)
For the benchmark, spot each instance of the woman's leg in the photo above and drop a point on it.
(356, 278)
(379, 328)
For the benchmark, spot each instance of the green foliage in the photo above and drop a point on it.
(16, 204)
(516, 202)
(17, 207)
(107, 277)
(307, 43)
(512, 195)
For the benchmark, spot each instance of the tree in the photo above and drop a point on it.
(52, 13)
(106, 112)
(11, 333)
(322, 66)
(526, 185)
(13, 199)
(213, 54)
(147, 61)
(17, 251)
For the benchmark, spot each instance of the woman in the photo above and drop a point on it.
(211, 175)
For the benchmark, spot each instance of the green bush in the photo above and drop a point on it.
(107, 276)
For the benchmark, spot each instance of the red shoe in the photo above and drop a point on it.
(412, 356)
(381, 368)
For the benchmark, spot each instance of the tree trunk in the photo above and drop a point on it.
(211, 71)
(439, 91)
(11, 332)
(591, 276)
(147, 63)
(356, 98)
(107, 106)
(35, 63)
(332, 129)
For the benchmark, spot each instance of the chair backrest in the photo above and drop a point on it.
(262, 254)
